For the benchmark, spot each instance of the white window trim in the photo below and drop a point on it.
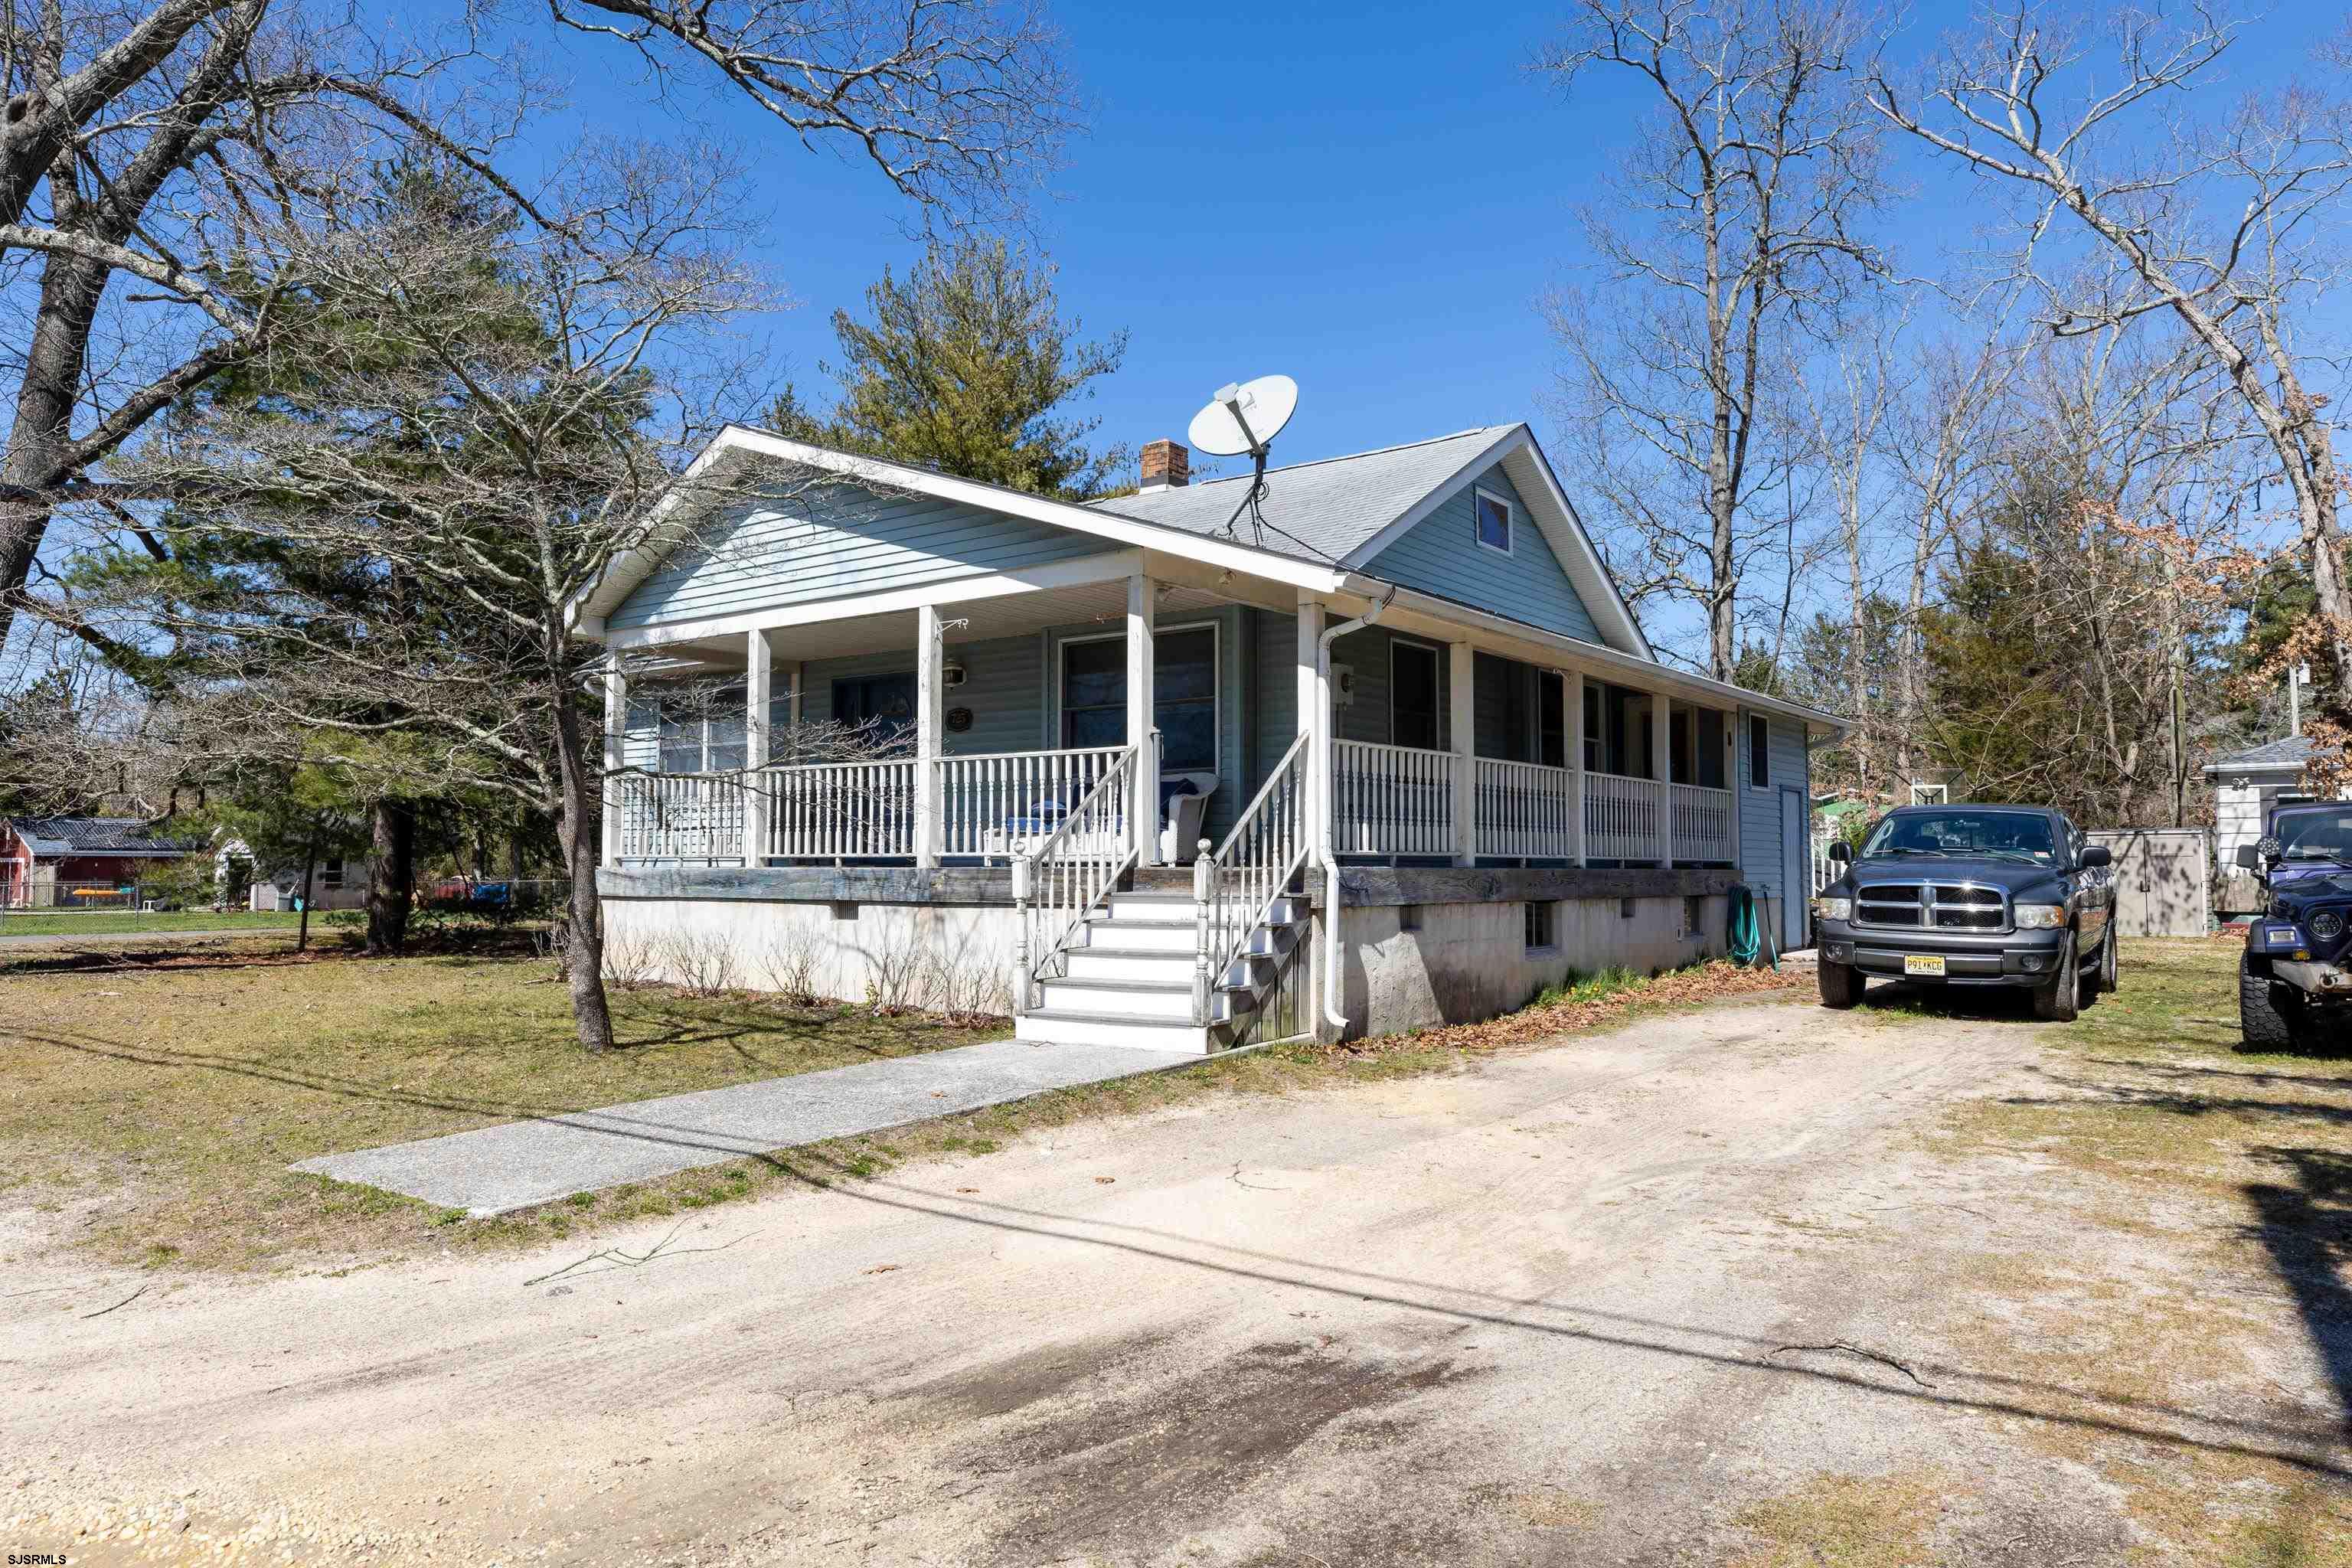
(1437, 656)
(1510, 522)
(1057, 678)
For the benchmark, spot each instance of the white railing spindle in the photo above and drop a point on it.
(1234, 887)
(1391, 800)
(1056, 884)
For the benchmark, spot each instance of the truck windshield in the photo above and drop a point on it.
(2314, 835)
(2003, 835)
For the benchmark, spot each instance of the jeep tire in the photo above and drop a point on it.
(1840, 984)
(2263, 1023)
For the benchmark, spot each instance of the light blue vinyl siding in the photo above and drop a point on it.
(1760, 858)
(1441, 554)
(834, 543)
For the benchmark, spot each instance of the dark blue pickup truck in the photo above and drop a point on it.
(2293, 983)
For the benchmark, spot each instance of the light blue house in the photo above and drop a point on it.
(1389, 752)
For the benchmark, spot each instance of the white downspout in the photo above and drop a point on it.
(1323, 735)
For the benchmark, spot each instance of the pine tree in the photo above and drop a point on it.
(962, 366)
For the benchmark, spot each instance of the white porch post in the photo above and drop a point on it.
(1571, 688)
(930, 685)
(1143, 595)
(1310, 717)
(758, 683)
(1736, 787)
(1462, 711)
(1662, 764)
(616, 729)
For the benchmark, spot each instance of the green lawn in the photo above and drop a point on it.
(126, 922)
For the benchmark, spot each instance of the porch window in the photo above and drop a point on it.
(1183, 691)
(1551, 720)
(1593, 750)
(1413, 695)
(703, 731)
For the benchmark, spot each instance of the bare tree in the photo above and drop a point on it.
(2227, 224)
(168, 167)
(1732, 232)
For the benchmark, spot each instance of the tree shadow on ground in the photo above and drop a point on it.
(2304, 1223)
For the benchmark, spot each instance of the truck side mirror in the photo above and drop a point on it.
(2248, 858)
(1840, 852)
(2096, 856)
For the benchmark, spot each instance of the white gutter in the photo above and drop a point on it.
(1332, 1014)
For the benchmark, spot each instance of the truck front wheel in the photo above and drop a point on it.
(2061, 998)
(1841, 985)
(2261, 1020)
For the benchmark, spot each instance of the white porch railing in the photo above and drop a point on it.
(1621, 817)
(1702, 822)
(840, 811)
(680, 819)
(991, 805)
(1525, 811)
(1391, 800)
(1234, 887)
(1058, 882)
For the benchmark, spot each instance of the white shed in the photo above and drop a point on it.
(2246, 785)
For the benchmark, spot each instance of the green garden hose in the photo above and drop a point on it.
(1745, 936)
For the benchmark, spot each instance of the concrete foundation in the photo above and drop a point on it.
(1467, 961)
(921, 940)
(957, 956)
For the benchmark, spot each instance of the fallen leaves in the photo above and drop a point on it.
(1715, 981)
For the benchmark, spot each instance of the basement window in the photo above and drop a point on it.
(1408, 916)
(1693, 913)
(1539, 932)
(845, 909)
(1624, 909)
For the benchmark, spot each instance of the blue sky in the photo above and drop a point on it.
(1373, 206)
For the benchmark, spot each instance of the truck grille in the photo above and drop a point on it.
(1932, 906)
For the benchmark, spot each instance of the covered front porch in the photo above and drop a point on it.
(970, 732)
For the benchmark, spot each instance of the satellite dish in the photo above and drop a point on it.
(1244, 418)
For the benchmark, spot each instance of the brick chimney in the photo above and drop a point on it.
(1165, 463)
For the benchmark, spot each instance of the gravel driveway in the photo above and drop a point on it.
(1622, 1300)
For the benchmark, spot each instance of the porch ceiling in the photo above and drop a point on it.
(1003, 615)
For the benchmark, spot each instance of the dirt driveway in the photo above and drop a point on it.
(1719, 1288)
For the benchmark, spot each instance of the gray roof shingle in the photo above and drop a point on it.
(1328, 508)
(2290, 752)
(99, 836)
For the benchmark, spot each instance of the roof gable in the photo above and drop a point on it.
(1441, 553)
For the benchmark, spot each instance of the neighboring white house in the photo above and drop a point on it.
(2246, 785)
(336, 882)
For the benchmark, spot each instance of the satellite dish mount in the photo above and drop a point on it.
(1247, 417)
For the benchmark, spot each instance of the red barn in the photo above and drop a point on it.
(44, 859)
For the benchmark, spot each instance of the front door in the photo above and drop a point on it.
(886, 703)
(1796, 870)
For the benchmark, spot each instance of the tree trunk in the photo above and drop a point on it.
(310, 869)
(581, 830)
(390, 876)
(53, 361)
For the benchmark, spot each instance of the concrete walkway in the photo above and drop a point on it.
(497, 1169)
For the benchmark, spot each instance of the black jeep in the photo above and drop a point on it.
(1970, 895)
(2293, 982)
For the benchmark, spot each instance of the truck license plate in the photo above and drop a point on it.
(1924, 963)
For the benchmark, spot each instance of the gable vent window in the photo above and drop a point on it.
(1493, 522)
(1759, 754)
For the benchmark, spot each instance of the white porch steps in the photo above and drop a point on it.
(1126, 978)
